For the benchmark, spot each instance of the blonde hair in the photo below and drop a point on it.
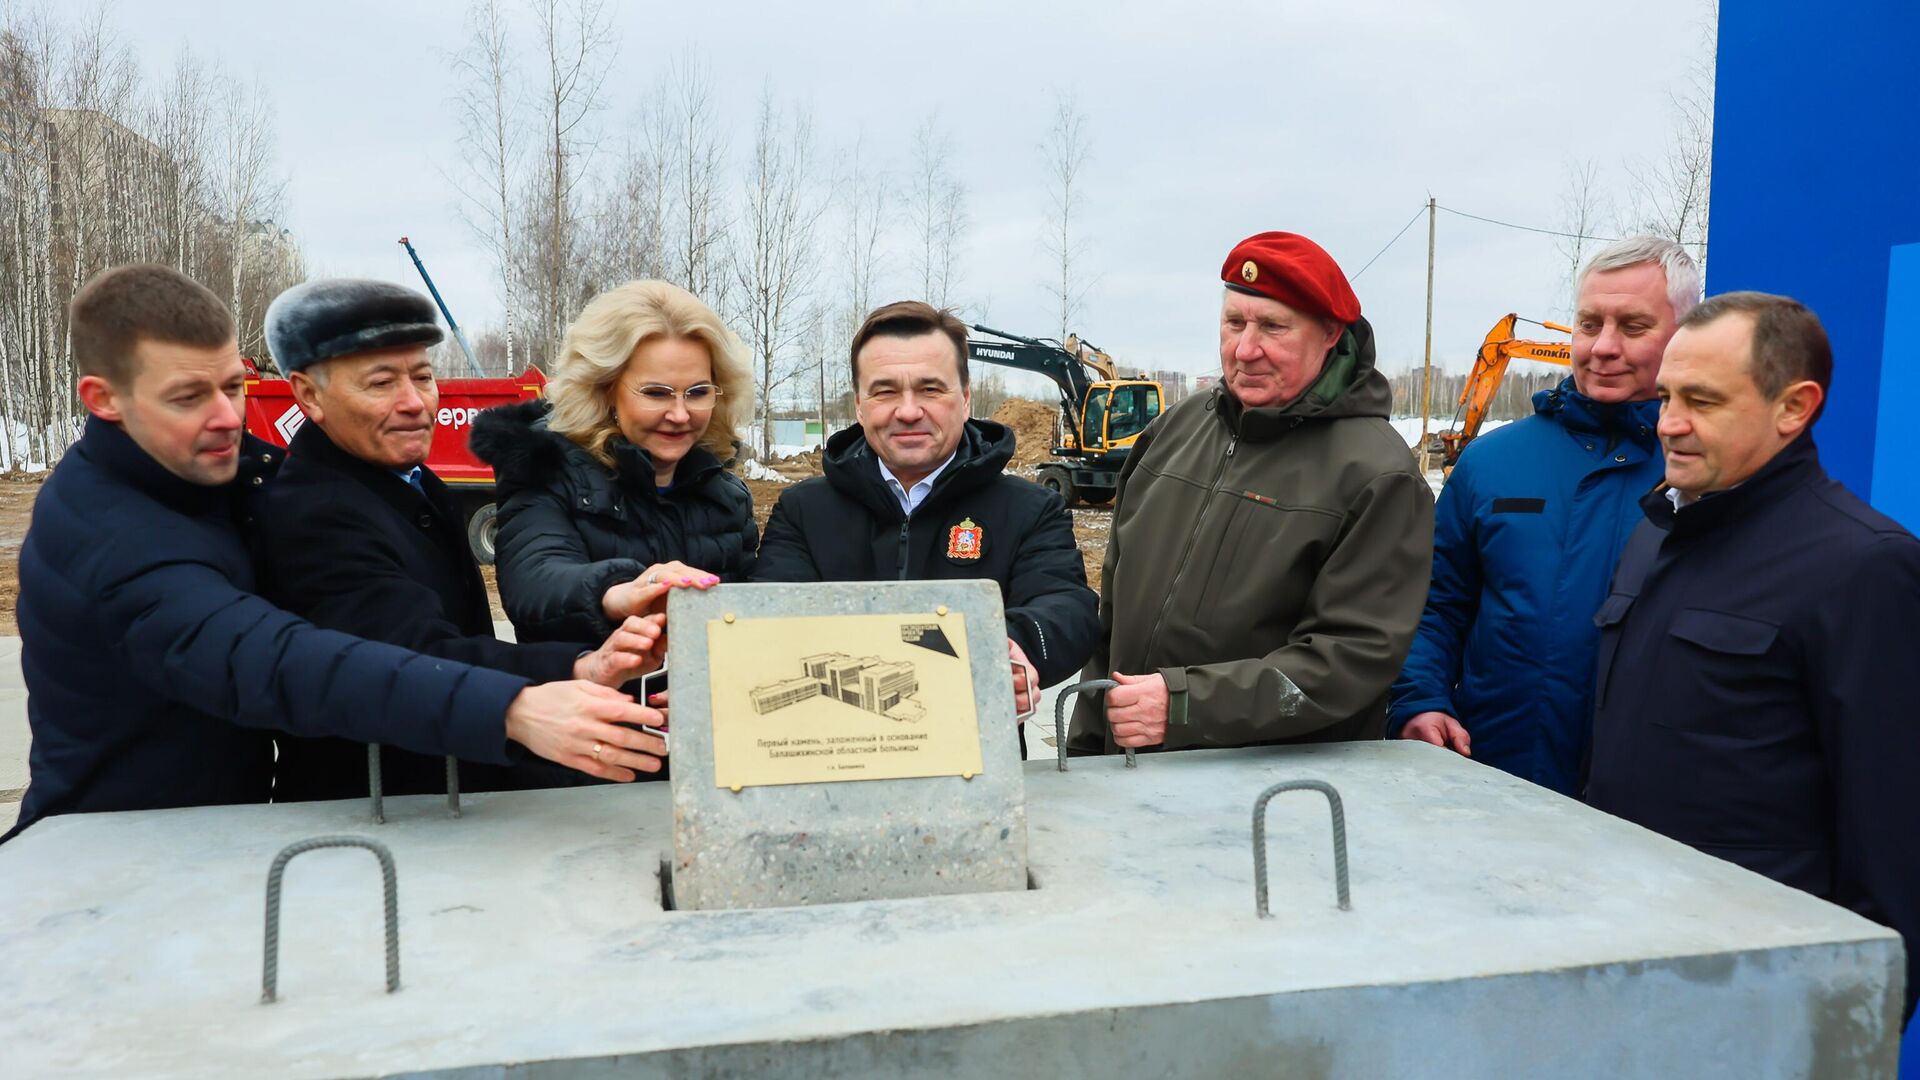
(600, 344)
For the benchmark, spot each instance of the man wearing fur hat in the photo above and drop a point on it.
(1271, 541)
(156, 677)
(360, 536)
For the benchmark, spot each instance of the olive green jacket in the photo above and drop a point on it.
(1270, 563)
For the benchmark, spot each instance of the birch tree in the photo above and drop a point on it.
(248, 196)
(576, 44)
(1065, 152)
(774, 263)
(492, 147)
(684, 133)
(864, 197)
(1583, 207)
(1673, 191)
(937, 204)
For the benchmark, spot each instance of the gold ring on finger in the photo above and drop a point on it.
(596, 751)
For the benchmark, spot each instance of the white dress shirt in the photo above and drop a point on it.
(910, 499)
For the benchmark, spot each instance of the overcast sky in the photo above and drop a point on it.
(1208, 122)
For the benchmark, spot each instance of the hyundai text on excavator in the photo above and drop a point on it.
(1101, 418)
(1489, 367)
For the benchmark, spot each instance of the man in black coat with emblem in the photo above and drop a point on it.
(917, 492)
(360, 536)
(155, 675)
(1755, 684)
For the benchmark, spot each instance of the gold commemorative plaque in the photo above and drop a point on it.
(827, 698)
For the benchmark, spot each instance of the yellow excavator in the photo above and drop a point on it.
(1100, 418)
(1489, 367)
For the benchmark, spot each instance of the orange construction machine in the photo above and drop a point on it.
(1498, 350)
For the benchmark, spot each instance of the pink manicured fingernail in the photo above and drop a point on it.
(713, 579)
(686, 581)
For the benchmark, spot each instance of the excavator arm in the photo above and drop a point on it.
(1497, 350)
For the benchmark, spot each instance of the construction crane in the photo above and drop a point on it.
(1489, 367)
(1101, 418)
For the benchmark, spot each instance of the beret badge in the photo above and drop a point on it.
(1249, 271)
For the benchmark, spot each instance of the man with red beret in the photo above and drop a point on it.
(1271, 541)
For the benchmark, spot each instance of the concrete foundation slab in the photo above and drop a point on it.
(1497, 930)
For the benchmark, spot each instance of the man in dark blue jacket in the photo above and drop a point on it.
(154, 674)
(1756, 674)
(1528, 529)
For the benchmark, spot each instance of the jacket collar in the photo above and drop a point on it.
(1794, 465)
(1635, 421)
(1348, 385)
(852, 467)
(635, 467)
(109, 444)
(310, 443)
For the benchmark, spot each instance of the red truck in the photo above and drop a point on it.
(273, 415)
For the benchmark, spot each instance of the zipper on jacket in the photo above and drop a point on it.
(906, 526)
(1187, 554)
(1040, 634)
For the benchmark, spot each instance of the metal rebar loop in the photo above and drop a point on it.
(270, 973)
(373, 784)
(1068, 693)
(453, 785)
(1260, 841)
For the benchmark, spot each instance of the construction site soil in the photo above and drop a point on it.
(1031, 421)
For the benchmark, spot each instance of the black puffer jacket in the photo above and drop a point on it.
(847, 526)
(570, 528)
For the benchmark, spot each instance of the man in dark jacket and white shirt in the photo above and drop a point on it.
(917, 492)
(360, 536)
(1755, 682)
(154, 674)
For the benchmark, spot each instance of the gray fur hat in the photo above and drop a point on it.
(319, 320)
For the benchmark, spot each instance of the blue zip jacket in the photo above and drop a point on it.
(1526, 534)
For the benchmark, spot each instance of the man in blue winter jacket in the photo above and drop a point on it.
(1528, 529)
(155, 676)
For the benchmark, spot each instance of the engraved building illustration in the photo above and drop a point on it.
(867, 682)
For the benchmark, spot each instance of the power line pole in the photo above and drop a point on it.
(1426, 376)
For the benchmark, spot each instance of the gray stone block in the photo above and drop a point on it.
(780, 845)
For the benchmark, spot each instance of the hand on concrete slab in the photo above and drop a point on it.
(1026, 681)
(647, 594)
(637, 647)
(579, 725)
(1441, 730)
(1137, 710)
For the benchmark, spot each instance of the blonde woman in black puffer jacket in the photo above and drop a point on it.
(614, 489)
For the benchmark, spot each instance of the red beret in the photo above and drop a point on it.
(1294, 270)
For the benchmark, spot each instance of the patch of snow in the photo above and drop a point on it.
(753, 470)
(1409, 426)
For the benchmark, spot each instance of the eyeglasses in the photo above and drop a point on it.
(659, 397)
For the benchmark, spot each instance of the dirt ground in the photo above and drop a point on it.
(17, 492)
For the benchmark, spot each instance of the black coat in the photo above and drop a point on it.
(352, 547)
(154, 673)
(571, 528)
(848, 526)
(1756, 688)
